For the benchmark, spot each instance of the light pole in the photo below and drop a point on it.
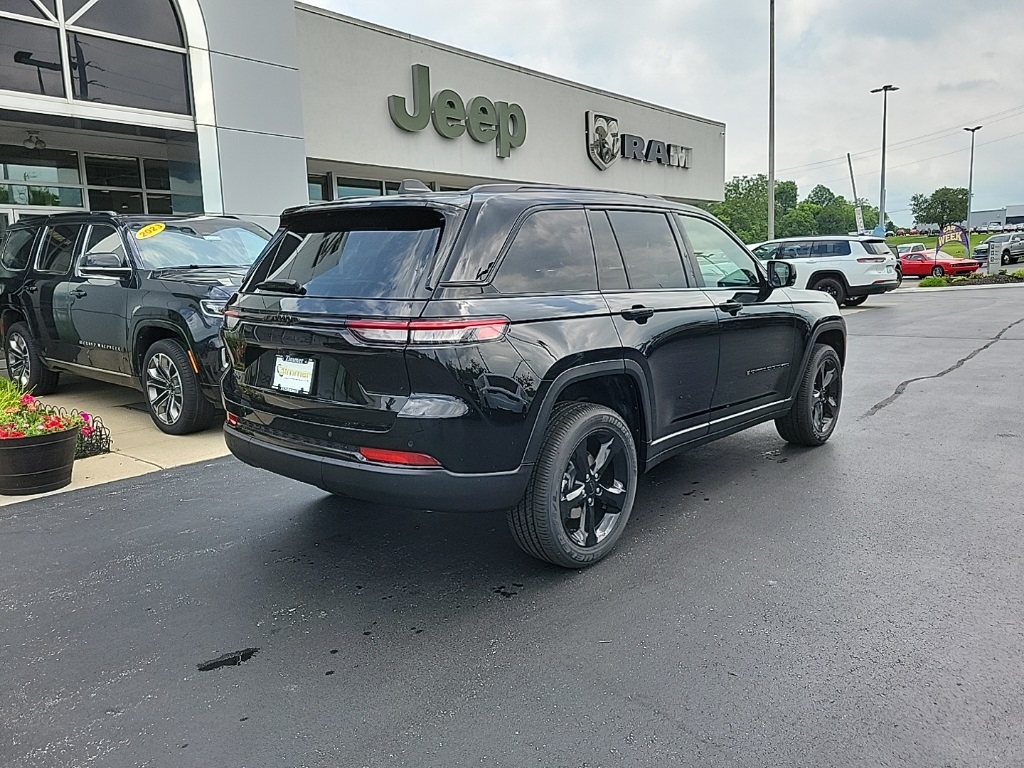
(771, 120)
(884, 90)
(970, 182)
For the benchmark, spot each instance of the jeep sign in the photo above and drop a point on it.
(484, 120)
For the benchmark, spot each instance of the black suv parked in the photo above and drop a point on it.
(516, 347)
(133, 300)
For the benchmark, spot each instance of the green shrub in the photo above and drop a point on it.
(1019, 274)
(933, 282)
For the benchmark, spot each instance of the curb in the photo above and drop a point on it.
(958, 288)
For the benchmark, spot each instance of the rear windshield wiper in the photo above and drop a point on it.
(282, 286)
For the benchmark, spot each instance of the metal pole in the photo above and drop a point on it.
(853, 181)
(884, 90)
(771, 120)
(970, 198)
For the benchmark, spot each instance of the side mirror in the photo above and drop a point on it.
(105, 265)
(781, 274)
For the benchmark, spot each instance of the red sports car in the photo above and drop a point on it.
(920, 264)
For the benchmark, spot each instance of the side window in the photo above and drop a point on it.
(611, 273)
(58, 249)
(104, 239)
(648, 249)
(551, 253)
(722, 262)
(17, 249)
(277, 253)
(766, 251)
(829, 248)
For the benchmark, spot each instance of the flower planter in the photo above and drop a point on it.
(37, 464)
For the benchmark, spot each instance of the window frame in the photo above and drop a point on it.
(759, 270)
(687, 269)
(83, 248)
(514, 234)
(76, 248)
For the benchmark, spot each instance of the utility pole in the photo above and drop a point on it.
(857, 210)
(771, 120)
(884, 90)
(970, 202)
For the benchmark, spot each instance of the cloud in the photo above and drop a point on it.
(710, 58)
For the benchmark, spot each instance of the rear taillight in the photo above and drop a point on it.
(872, 260)
(231, 419)
(398, 458)
(430, 332)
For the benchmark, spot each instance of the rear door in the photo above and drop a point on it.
(758, 326)
(316, 333)
(48, 293)
(666, 323)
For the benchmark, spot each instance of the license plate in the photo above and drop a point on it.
(294, 374)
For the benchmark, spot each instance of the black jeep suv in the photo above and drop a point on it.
(517, 347)
(133, 300)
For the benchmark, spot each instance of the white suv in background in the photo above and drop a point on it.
(848, 268)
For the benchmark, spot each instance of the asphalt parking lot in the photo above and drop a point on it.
(858, 604)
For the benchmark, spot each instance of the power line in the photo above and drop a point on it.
(916, 140)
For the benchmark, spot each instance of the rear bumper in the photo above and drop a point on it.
(436, 489)
(874, 289)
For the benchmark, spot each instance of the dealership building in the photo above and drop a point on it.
(242, 108)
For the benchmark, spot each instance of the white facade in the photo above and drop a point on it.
(272, 109)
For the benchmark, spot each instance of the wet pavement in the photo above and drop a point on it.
(857, 604)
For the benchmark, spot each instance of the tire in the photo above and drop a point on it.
(899, 277)
(1005, 258)
(805, 424)
(174, 396)
(854, 301)
(938, 271)
(833, 288)
(24, 364)
(544, 524)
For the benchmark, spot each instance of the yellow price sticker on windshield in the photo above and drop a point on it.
(150, 230)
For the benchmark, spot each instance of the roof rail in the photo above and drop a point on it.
(511, 187)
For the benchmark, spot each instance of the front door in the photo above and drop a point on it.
(758, 327)
(98, 305)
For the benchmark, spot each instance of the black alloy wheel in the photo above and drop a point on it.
(833, 288)
(815, 412)
(582, 489)
(24, 363)
(173, 391)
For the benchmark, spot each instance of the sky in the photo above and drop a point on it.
(957, 63)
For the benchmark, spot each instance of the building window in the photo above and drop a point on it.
(358, 188)
(108, 51)
(319, 188)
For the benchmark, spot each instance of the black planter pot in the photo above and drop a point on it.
(37, 464)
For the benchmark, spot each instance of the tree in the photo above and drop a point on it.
(821, 195)
(745, 207)
(799, 222)
(945, 205)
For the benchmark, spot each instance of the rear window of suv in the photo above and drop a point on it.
(359, 254)
(877, 247)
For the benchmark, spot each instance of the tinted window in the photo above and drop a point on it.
(361, 254)
(723, 262)
(879, 248)
(39, 166)
(158, 174)
(826, 248)
(124, 17)
(58, 249)
(17, 249)
(130, 75)
(611, 273)
(113, 172)
(104, 239)
(198, 242)
(116, 200)
(649, 249)
(28, 55)
(551, 253)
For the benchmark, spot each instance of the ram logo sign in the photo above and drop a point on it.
(606, 144)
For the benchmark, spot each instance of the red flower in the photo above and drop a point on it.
(27, 399)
